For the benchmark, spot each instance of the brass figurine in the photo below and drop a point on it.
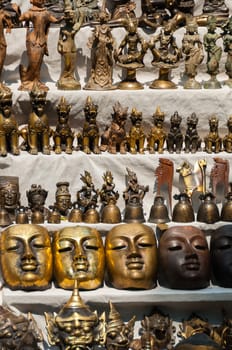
(63, 198)
(36, 43)
(134, 266)
(227, 139)
(9, 190)
(157, 134)
(63, 136)
(192, 140)
(165, 57)
(192, 48)
(102, 45)
(215, 7)
(89, 139)
(135, 47)
(18, 331)
(227, 43)
(9, 133)
(36, 197)
(213, 141)
(114, 138)
(5, 219)
(54, 216)
(136, 137)
(26, 257)
(67, 49)
(78, 253)
(214, 53)
(133, 196)
(175, 138)
(5, 22)
(12, 11)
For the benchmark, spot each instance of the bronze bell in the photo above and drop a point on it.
(37, 217)
(75, 214)
(110, 214)
(134, 212)
(5, 219)
(183, 210)
(54, 216)
(91, 216)
(226, 213)
(208, 210)
(21, 216)
(159, 211)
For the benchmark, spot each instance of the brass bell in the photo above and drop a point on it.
(110, 214)
(75, 214)
(37, 217)
(54, 216)
(5, 219)
(183, 210)
(91, 216)
(226, 213)
(159, 211)
(21, 216)
(208, 210)
(134, 212)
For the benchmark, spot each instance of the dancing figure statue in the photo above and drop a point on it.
(227, 42)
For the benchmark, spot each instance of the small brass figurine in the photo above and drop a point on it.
(175, 137)
(26, 257)
(5, 22)
(213, 141)
(214, 53)
(12, 11)
(5, 219)
(36, 43)
(134, 266)
(192, 48)
(133, 196)
(119, 335)
(36, 197)
(63, 198)
(215, 7)
(63, 136)
(135, 47)
(136, 137)
(110, 213)
(18, 331)
(102, 46)
(87, 198)
(192, 140)
(9, 133)
(67, 48)
(157, 135)
(75, 326)
(184, 261)
(227, 42)
(78, 253)
(227, 139)
(114, 139)
(9, 189)
(89, 139)
(165, 57)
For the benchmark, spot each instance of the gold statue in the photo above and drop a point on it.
(136, 137)
(78, 253)
(227, 42)
(174, 137)
(136, 47)
(227, 140)
(215, 7)
(192, 139)
(63, 135)
(157, 134)
(192, 48)
(63, 198)
(36, 197)
(213, 142)
(131, 257)
(26, 257)
(9, 133)
(5, 22)
(9, 191)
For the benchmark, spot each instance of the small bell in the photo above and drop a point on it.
(54, 216)
(183, 210)
(110, 214)
(208, 210)
(5, 219)
(21, 216)
(91, 216)
(134, 212)
(226, 213)
(75, 214)
(159, 211)
(37, 217)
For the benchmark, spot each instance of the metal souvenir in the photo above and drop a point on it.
(226, 212)
(22, 216)
(89, 8)
(75, 214)
(63, 198)
(12, 11)
(227, 139)
(213, 141)
(134, 266)
(26, 257)
(175, 138)
(5, 219)
(159, 211)
(5, 22)
(198, 341)
(219, 178)
(208, 211)
(54, 216)
(36, 197)
(9, 190)
(164, 180)
(215, 7)
(136, 136)
(183, 210)
(227, 43)
(157, 134)
(192, 140)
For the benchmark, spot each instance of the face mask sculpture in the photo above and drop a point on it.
(26, 257)
(131, 257)
(78, 253)
(221, 256)
(183, 258)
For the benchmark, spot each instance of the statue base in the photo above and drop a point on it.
(212, 83)
(130, 85)
(191, 83)
(68, 84)
(162, 84)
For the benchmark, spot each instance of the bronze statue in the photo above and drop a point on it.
(9, 133)
(215, 7)
(9, 191)
(227, 42)
(36, 43)
(175, 138)
(89, 139)
(63, 136)
(18, 331)
(213, 141)
(55, 7)
(89, 8)
(12, 11)
(227, 139)
(102, 45)
(183, 258)
(192, 140)
(157, 134)
(136, 137)
(129, 263)
(114, 138)
(36, 197)
(135, 47)
(5, 22)
(192, 48)
(214, 53)
(154, 13)
(63, 198)
(26, 257)
(165, 57)
(67, 48)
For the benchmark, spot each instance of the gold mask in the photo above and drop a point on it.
(131, 256)
(78, 252)
(26, 257)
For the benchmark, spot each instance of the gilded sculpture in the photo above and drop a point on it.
(5, 22)
(191, 139)
(9, 190)
(227, 43)
(157, 135)
(36, 197)
(63, 198)
(63, 135)
(175, 137)
(136, 136)
(227, 139)
(9, 133)
(213, 141)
